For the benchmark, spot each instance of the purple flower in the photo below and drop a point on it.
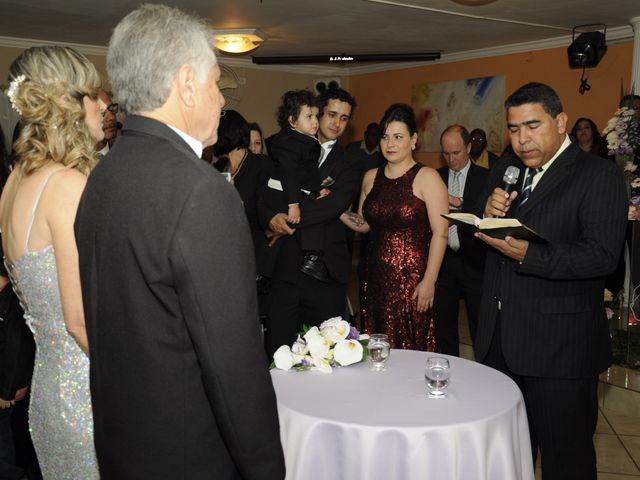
(354, 334)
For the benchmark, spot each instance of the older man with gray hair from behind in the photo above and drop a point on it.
(179, 382)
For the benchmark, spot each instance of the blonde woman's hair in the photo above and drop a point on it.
(50, 100)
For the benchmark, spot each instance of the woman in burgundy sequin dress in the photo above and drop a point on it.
(400, 205)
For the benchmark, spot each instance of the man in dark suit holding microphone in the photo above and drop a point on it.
(179, 383)
(542, 318)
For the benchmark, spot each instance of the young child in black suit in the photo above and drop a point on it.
(295, 151)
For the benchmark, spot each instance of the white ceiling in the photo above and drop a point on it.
(315, 27)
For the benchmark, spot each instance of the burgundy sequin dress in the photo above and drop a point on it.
(395, 262)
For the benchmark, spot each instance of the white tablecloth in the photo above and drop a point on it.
(358, 424)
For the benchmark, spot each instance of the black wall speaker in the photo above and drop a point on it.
(587, 49)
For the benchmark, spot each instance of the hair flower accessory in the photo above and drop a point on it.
(13, 90)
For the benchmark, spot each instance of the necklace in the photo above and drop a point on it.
(235, 172)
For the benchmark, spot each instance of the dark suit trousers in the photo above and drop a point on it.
(562, 415)
(456, 279)
(8, 468)
(306, 301)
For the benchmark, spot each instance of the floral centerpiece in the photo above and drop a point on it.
(335, 343)
(621, 132)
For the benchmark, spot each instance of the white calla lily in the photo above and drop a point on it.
(312, 332)
(283, 358)
(347, 352)
(321, 365)
(318, 347)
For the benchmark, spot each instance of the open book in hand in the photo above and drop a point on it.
(495, 227)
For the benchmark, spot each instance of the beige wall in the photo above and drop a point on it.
(376, 91)
(259, 91)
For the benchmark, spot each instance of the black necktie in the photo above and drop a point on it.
(526, 186)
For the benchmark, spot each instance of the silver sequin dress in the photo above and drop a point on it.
(60, 416)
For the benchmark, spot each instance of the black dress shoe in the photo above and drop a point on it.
(313, 266)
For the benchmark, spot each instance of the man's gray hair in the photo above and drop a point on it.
(147, 49)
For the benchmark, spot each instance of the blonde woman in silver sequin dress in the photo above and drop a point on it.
(55, 91)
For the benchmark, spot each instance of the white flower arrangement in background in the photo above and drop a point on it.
(622, 132)
(334, 343)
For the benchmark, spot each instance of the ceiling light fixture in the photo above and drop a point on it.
(237, 40)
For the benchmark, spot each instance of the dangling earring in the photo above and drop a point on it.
(413, 147)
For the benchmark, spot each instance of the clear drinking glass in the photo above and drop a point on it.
(436, 374)
(379, 350)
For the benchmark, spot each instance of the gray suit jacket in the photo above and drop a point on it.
(179, 378)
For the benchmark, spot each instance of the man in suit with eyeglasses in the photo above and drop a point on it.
(109, 122)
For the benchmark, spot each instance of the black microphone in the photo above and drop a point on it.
(510, 178)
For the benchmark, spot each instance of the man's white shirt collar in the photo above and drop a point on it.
(104, 150)
(196, 145)
(545, 167)
(463, 171)
(326, 148)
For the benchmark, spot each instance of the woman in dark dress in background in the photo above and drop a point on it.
(249, 174)
(400, 205)
(586, 133)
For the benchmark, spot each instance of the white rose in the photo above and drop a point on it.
(335, 329)
(347, 352)
(299, 347)
(322, 365)
(318, 346)
(283, 358)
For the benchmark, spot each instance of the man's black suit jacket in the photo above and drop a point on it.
(552, 315)
(178, 373)
(472, 250)
(326, 212)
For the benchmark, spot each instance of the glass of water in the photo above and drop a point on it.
(436, 374)
(379, 349)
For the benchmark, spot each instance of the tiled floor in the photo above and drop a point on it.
(617, 438)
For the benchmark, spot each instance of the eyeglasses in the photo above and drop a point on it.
(113, 108)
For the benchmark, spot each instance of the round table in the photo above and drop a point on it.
(359, 424)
